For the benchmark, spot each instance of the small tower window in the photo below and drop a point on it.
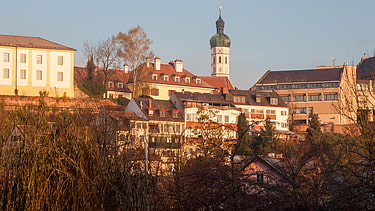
(226, 60)
(154, 77)
(213, 60)
(219, 59)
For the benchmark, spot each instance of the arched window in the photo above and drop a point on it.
(219, 59)
(226, 60)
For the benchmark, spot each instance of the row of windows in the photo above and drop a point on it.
(298, 86)
(111, 84)
(176, 79)
(39, 59)
(219, 60)
(268, 111)
(312, 97)
(39, 75)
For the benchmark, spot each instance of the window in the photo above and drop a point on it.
(110, 95)
(166, 78)
(259, 87)
(256, 111)
(170, 92)
(285, 86)
(315, 85)
(219, 118)
(23, 58)
(274, 101)
(39, 75)
(300, 98)
(300, 86)
(331, 84)
(260, 177)
(60, 76)
(198, 81)
(328, 97)
(6, 73)
(226, 119)
(269, 87)
(239, 99)
(60, 60)
(283, 113)
(120, 96)
(270, 111)
(187, 80)
(362, 87)
(300, 110)
(155, 92)
(286, 98)
(154, 77)
(188, 117)
(310, 111)
(175, 114)
(317, 97)
(120, 85)
(22, 74)
(177, 79)
(6, 57)
(226, 60)
(162, 113)
(39, 59)
(111, 84)
(219, 59)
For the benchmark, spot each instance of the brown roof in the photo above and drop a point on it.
(366, 68)
(31, 42)
(168, 70)
(81, 75)
(290, 76)
(218, 82)
(157, 105)
(252, 95)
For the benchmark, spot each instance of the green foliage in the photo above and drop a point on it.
(145, 96)
(93, 89)
(266, 140)
(244, 139)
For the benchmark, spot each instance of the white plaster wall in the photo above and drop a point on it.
(6, 65)
(55, 68)
(35, 67)
(25, 66)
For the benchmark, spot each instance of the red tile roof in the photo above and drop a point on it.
(218, 81)
(168, 70)
(31, 42)
(157, 105)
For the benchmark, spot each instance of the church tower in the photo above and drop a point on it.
(220, 46)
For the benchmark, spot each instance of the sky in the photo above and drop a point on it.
(265, 34)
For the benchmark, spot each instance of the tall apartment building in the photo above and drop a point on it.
(32, 65)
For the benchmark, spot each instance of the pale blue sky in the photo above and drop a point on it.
(275, 34)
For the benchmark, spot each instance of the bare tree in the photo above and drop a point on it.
(134, 48)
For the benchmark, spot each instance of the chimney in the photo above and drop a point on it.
(235, 88)
(149, 103)
(147, 62)
(157, 63)
(126, 68)
(178, 65)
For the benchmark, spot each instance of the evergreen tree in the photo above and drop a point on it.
(243, 143)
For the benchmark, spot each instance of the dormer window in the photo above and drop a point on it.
(154, 77)
(274, 101)
(198, 81)
(166, 78)
(162, 112)
(151, 112)
(239, 99)
(177, 79)
(111, 84)
(120, 85)
(187, 80)
(175, 114)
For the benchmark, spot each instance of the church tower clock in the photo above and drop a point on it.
(220, 46)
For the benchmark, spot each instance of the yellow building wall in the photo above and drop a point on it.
(28, 87)
(164, 90)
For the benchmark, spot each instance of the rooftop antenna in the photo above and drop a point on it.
(220, 9)
(333, 61)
